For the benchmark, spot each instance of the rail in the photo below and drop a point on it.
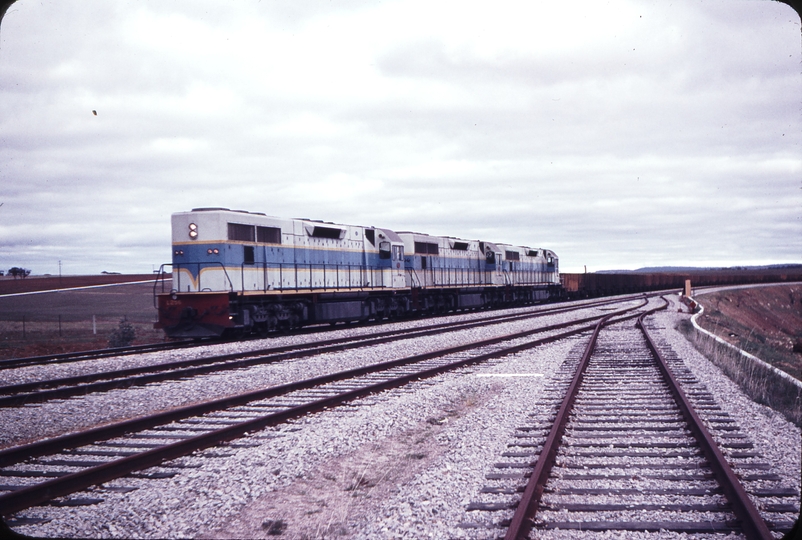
(40, 493)
(752, 524)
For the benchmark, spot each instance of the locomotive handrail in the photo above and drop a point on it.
(160, 279)
(334, 276)
(178, 266)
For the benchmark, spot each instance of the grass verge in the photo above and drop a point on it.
(760, 382)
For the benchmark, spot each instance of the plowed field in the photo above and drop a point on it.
(74, 319)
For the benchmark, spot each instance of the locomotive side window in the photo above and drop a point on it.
(512, 255)
(398, 253)
(327, 232)
(370, 234)
(426, 248)
(240, 232)
(248, 257)
(268, 235)
(490, 257)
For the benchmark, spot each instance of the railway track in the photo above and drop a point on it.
(620, 447)
(634, 467)
(15, 395)
(40, 472)
(81, 356)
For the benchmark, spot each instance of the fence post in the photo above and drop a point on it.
(94, 325)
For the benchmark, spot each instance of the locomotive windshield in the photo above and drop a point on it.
(384, 250)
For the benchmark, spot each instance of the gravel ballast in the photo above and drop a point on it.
(405, 463)
(57, 417)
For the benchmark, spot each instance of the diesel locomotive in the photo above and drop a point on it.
(237, 272)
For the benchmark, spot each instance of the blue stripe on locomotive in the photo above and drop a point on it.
(196, 257)
(413, 262)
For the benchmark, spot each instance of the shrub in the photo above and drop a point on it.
(123, 336)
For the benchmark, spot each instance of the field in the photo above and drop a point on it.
(765, 321)
(70, 320)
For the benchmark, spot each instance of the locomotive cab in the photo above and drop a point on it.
(390, 257)
(493, 263)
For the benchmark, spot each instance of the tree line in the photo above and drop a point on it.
(17, 272)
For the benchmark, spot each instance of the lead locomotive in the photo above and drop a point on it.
(236, 272)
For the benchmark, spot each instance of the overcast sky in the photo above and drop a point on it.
(620, 134)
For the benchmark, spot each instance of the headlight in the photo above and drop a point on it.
(193, 231)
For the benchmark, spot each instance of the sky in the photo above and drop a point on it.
(619, 134)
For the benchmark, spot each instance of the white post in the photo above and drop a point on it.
(94, 325)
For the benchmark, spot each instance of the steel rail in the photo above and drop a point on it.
(521, 522)
(16, 454)
(41, 493)
(80, 356)
(23, 393)
(753, 525)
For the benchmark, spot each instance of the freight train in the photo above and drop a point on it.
(575, 286)
(236, 272)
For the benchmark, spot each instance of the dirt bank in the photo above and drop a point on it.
(765, 321)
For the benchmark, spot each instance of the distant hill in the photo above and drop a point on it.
(696, 269)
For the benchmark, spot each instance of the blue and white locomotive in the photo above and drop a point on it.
(243, 272)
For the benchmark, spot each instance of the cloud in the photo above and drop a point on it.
(620, 134)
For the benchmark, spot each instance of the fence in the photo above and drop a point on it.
(31, 335)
